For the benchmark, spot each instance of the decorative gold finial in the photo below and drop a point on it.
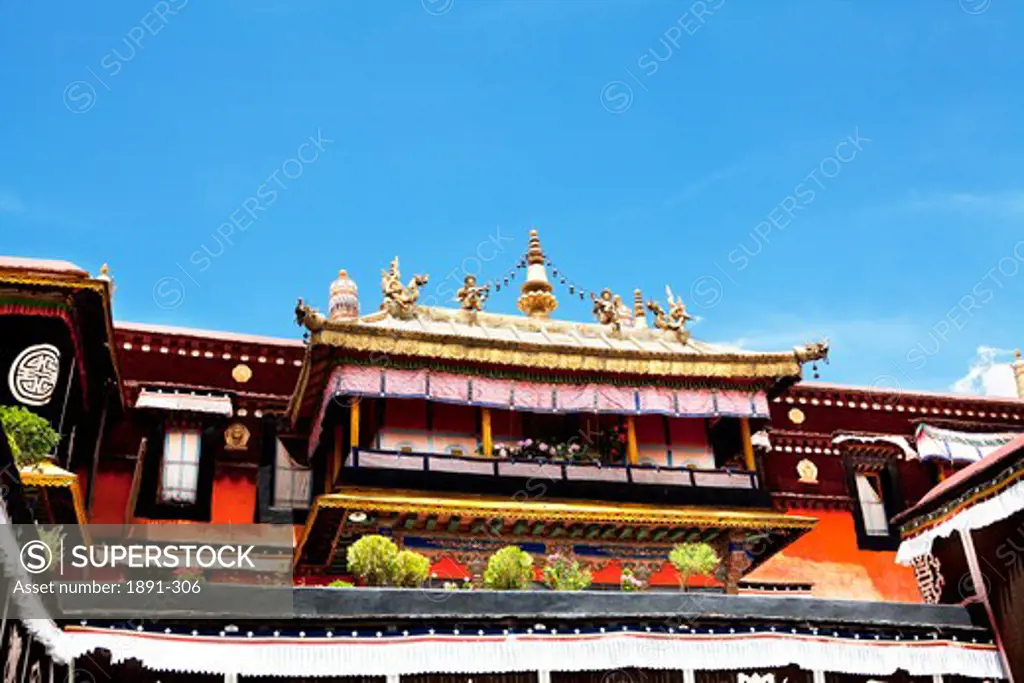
(399, 301)
(470, 296)
(343, 306)
(639, 315)
(535, 298)
(105, 276)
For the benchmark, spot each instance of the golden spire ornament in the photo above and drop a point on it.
(535, 298)
(639, 314)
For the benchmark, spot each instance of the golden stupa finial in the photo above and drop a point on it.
(639, 314)
(535, 298)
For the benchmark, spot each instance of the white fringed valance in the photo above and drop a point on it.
(1000, 506)
(494, 654)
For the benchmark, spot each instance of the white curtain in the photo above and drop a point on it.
(872, 507)
(291, 481)
(179, 476)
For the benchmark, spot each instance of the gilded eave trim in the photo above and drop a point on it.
(553, 357)
(411, 502)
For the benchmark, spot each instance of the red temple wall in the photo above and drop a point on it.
(110, 497)
(828, 558)
(234, 497)
(781, 475)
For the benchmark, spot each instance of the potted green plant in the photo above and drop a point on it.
(372, 559)
(510, 568)
(31, 437)
(693, 559)
(411, 569)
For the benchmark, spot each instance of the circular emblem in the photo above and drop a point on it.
(241, 373)
(796, 416)
(236, 437)
(807, 471)
(33, 375)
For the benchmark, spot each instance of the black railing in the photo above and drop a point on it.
(551, 470)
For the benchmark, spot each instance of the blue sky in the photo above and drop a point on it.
(794, 169)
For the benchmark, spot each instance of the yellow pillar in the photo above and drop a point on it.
(485, 432)
(631, 448)
(748, 447)
(353, 425)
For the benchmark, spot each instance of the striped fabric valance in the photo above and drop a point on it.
(947, 444)
(544, 397)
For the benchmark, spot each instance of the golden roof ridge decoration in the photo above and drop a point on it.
(400, 300)
(675, 320)
(609, 310)
(536, 298)
(619, 343)
(471, 298)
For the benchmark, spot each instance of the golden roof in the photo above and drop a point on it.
(540, 343)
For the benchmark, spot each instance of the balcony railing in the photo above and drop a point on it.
(424, 470)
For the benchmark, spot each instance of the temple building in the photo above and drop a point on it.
(458, 431)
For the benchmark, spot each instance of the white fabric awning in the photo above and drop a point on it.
(946, 444)
(344, 655)
(1008, 502)
(193, 403)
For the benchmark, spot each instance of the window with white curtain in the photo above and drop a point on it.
(291, 481)
(179, 475)
(872, 505)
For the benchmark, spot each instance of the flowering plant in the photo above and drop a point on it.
(565, 574)
(629, 583)
(607, 446)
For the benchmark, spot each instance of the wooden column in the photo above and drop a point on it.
(748, 447)
(353, 425)
(334, 466)
(632, 451)
(485, 432)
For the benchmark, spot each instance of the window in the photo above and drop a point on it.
(291, 481)
(179, 475)
(872, 505)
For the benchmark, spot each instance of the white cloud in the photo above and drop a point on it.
(1008, 203)
(990, 374)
